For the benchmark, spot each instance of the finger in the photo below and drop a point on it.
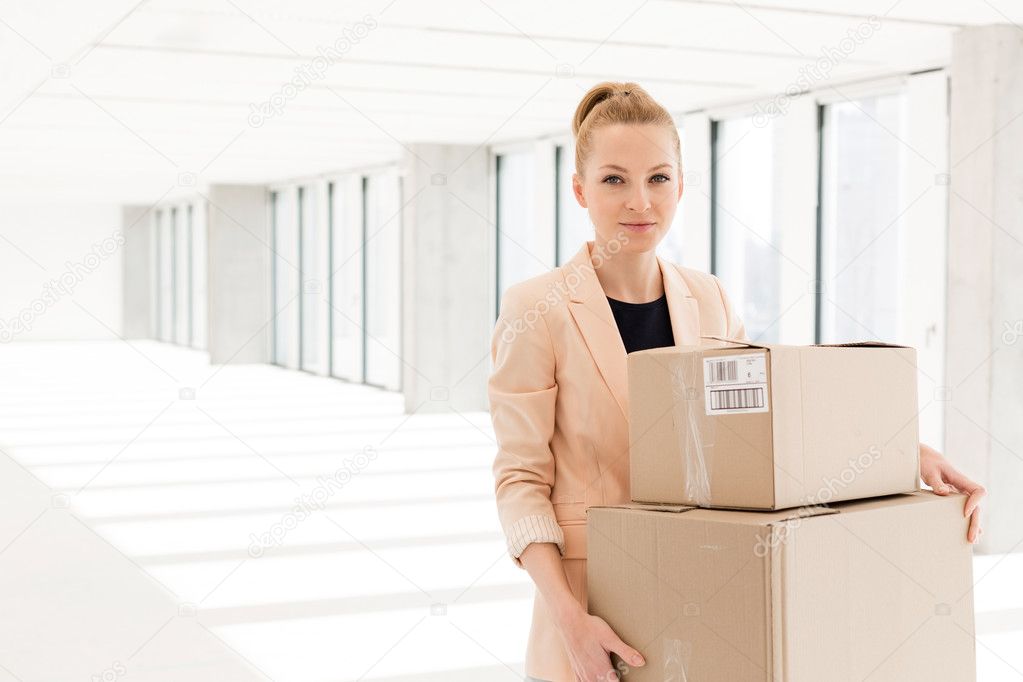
(931, 476)
(598, 668)
(973, 501)
(628, 654)
(974, 531)
(937, 484)
(958, 479)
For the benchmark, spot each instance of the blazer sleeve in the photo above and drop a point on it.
(522, 391)
(734, 327)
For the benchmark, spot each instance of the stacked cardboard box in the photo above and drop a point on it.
(772, 427)
(839, 569)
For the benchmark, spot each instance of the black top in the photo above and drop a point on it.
(643, 325)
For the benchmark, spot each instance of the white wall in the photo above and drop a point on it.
(60, 271)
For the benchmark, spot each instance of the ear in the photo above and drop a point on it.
(680, 185)
(577, 189)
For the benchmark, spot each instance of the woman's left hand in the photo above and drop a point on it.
(937, 472)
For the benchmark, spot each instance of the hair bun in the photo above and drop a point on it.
(611, 102)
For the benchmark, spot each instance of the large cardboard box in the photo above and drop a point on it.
(877, 590)
(771, 426)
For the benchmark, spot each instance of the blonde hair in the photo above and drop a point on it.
(610, 102)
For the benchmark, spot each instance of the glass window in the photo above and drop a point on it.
(314, 275)
(746, 238)
(286, 277)
(671, 246)
(522, 243)
(182, 276)
(861, 171)
(382, 342)
(165, 243)
(346, 278)
(574, 226)
(154, 273)
(197, 213)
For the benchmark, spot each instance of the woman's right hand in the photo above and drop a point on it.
(589, 641)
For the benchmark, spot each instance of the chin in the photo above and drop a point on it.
(636, 242)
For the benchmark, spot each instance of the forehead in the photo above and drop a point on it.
(635, 147)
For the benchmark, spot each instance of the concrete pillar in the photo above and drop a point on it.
(240, 324)
(139, 280)
(984, 432)
(448, 277)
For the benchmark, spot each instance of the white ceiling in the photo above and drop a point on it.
(123, 100)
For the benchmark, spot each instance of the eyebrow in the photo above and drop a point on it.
(619, 168)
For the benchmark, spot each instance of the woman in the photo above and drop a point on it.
(559, 391)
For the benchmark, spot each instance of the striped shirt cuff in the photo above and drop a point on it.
(536, 528)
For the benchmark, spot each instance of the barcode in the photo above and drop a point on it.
(736, 399)
(735, 383)
(724, 370)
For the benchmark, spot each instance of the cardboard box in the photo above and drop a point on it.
(772, 426)
(877, 590)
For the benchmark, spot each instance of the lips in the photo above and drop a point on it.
(638, 227)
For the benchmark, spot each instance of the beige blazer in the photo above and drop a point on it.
(559, 404)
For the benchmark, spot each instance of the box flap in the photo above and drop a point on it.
(865, 344)
(737, 342)
(803, 513)
(762, 518)
(646, 506)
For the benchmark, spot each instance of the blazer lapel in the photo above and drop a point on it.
(592, 313)
(682, 306)
(588, 305)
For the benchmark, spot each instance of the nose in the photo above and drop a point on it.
(638, 200)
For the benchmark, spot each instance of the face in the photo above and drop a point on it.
(631, 185)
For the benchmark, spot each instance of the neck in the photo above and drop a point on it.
(629, 277)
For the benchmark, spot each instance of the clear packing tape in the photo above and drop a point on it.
(676, 652)
(695, 431)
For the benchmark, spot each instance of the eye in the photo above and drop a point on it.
(662, 175)
(612, 177)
